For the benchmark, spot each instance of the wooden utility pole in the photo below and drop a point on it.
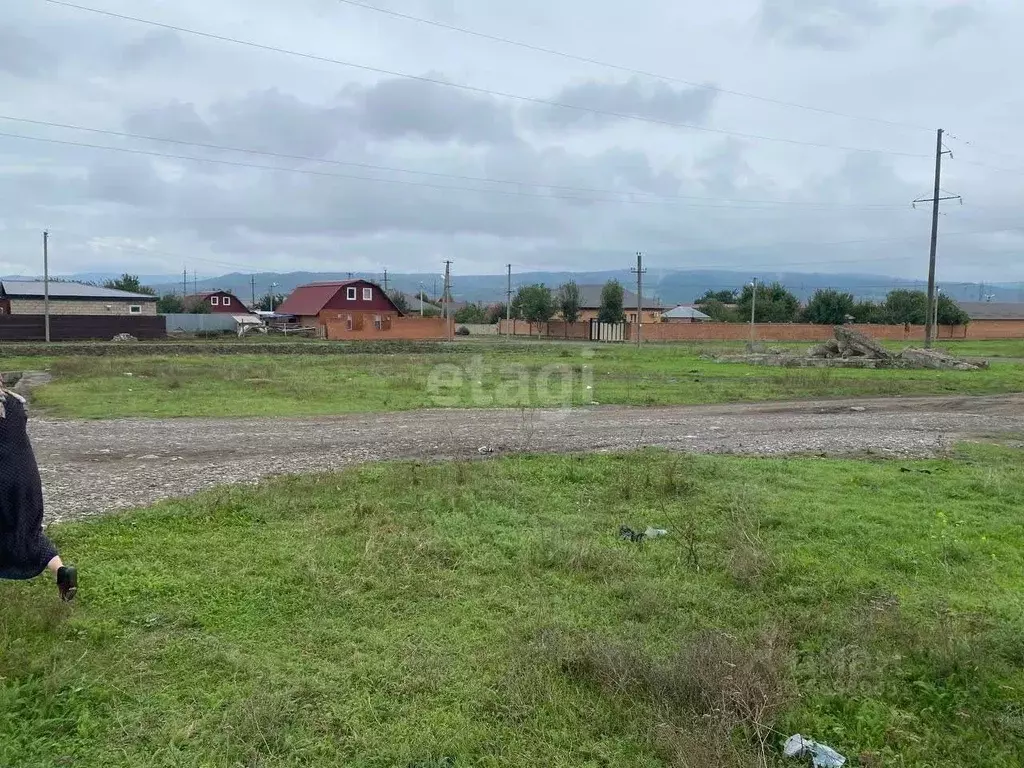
(46, 285)
(448, 300)
(929, 328)
(508, 304)
(639, 294)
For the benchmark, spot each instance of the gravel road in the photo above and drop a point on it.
(92, 467)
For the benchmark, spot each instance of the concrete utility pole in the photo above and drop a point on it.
(753, 307)
(508, 304)
(385, 281)
(184, 282)
(448, 299)
(46, 285)
(195, 282)
(252, 287)
(929, 330)
(639, 294)
(421, 298)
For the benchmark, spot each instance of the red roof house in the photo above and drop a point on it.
(217, 301)
(354, 302)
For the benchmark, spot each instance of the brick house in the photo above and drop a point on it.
(27, 297)
(216, 301)
(590, 305)
(354, 304)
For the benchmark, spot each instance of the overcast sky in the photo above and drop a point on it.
(590, 188)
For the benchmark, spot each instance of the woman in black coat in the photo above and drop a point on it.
(25, 551)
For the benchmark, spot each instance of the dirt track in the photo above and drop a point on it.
(99, 466)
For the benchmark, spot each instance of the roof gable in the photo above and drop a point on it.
(310, 299)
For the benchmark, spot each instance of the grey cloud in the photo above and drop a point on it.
(828, 24)
(156, 46)
(402, 108)
(23, 56)
(643, 98)
(950, 20)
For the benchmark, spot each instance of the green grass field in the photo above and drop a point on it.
(486, 614)
(301, 385)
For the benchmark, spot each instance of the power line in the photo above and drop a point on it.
(475, 89)
(351, 177)
(460, 177)
(622, 68)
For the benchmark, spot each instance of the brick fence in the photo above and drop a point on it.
(978, 330)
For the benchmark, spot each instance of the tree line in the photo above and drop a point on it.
(827, 306)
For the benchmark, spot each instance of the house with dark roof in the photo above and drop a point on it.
(218, 302)
(993, 310)
(356, 304)
(28, 297)
(684, 314)
(590, 304)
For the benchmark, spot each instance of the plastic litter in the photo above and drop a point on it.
(823, 756)
(628, 534)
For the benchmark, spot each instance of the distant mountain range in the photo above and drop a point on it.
(670, 286)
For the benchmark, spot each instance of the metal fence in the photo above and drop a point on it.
(210, 323)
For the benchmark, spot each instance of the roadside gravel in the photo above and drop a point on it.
(95, 467)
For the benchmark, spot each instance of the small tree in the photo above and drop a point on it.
(904, 306)
(269, 302)
(495, 313)
(829, 307)
(724, 297)
(129, 283)
(950, 312)
(471, 314)
(170, 304)
(868, 312)
(569, 304)
(612, 299)
(400, 300)
(774, 304)
(718, 311)
(536, 303)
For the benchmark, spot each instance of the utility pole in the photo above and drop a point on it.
(184, 283)
(508, 304)
(385, 281)
(46, 285)
(447, 299)
(195, 282)
(252, 286)
(753, 307)
(929, 331)
(639, 294)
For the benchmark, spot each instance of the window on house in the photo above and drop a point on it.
(367, 294)
(348, 323)
(215, 300)
(350, 294)
(135, 309)
(227, 301)
(632, 317)
(376, 322)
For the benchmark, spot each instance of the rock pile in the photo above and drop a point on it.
(124, 337)
(852, 349)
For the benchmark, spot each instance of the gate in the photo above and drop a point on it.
(607, 331)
